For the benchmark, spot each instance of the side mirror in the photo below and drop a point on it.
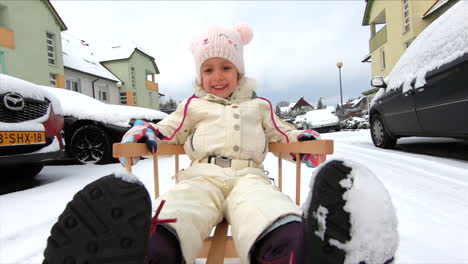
(378, 81)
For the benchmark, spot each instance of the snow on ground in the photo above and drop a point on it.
(429, 194)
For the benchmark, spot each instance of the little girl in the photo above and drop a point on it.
(225, 128)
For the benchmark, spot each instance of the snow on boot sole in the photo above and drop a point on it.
(336, 236)
(108, 221)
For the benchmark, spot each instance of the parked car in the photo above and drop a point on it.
(91, 126)
(426, 93)
(31, 125)
(321, 120)
(298, 121)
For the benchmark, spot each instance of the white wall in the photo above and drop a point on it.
(85, 81)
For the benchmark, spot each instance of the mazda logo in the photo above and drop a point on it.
(13, 101)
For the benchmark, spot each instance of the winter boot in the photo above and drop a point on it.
(349, 217)
(108, 221)
(164, 246)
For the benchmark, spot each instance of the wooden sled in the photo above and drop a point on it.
(220, 245)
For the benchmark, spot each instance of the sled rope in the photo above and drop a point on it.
(156, 221)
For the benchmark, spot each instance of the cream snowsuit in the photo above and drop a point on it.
(240, 128)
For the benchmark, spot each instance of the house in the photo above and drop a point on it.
(30, 46)
(394, 25)
(84, 73)
(136, 69)
(301, 107)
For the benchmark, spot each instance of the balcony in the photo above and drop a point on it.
(7, 39)
(378, 39)
(153, 86)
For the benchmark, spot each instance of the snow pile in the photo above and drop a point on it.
(355, 123)
(374, 225)
(445, 40)
(84, 107)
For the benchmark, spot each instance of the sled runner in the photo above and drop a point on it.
(220, 245)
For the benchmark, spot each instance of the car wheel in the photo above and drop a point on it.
(91, 145)
(379, 134)
(23, 172)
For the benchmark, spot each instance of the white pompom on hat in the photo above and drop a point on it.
(221, 42)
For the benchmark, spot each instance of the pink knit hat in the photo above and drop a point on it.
(221, 42)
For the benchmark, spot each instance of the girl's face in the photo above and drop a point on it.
(219, 77)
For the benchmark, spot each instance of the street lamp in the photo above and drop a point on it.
(339, 65)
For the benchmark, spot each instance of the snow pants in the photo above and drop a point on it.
(208, 193)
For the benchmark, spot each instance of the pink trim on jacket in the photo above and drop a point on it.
(183, 119)
(273, 119)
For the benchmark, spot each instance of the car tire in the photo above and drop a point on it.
(90, 144)
(23, 172)
(380, 137)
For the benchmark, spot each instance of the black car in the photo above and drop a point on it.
(432, 103)
(31, 128)
(91, 126)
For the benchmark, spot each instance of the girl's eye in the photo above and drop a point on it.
(226, 68)
(208, 70)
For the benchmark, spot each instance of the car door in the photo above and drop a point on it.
(442, 103)
(399, 112)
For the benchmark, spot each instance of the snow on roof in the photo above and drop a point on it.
(119, 115)
(330, 108)
(119, 51)
(78, 55)
(443, 41)
(291, 105)
(356, 102)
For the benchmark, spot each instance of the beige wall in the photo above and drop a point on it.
(395, 45)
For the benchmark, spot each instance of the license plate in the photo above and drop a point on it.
(22, 138)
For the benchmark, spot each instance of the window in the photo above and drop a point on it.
(102, 96)
(123, 98)
(73, 85)
(53, 81)
(2, 63)
(134, 98)
(4, 16)
(406, 15)
(50, 48)
(103, 92)
(407, 44)
(382, 59)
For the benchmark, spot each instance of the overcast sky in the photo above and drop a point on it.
(293, 52)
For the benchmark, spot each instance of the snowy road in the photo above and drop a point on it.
(429, 193)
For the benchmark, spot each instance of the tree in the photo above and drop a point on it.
(168, 106)
(278, 111)
(320, 103)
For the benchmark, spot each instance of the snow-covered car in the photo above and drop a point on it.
(298, 121)
(31, 127)
(321, 120)
(91, 126)
(426, 93)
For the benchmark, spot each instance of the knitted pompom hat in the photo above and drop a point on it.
(221, 42)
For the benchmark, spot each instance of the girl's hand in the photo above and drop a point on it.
(311, 160)
(141, 132)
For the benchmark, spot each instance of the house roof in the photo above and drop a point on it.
(123, 51)
(78, 55)
(365, 19)
(59, 20)
(437, 4)
(301, 102)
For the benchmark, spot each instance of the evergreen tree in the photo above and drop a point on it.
(320, 103)
(278, 111)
